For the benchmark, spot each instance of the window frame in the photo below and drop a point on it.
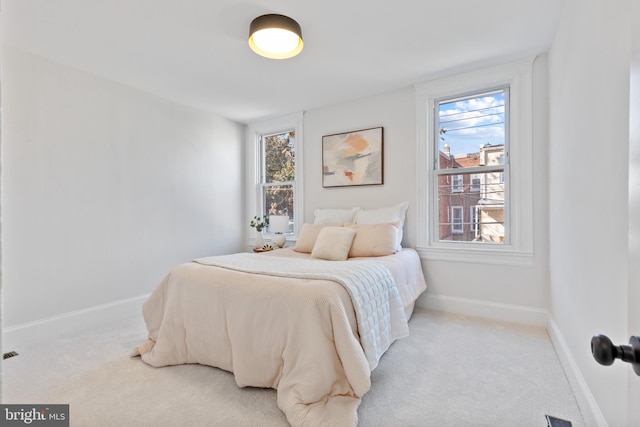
(457, 174)
(263, 185)
(255, 173)
(519, 186)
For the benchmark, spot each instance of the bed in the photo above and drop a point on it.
(295, 320)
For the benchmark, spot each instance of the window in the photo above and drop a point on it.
(277, 164)
(473, 214)
(475, 183)
(457, 220)
(471, 134)
(274, 170)
(474, 158)
(456, 183)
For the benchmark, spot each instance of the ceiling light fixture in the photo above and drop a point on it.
(275, 36)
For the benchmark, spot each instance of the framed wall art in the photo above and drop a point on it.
(352, 158)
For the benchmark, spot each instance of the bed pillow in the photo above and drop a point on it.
(374, 239)
(396, 213)
(333, 243)
(335, 216)
(307, 237)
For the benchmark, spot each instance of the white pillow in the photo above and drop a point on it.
(333, 243)
(335, 216)
(396, 213)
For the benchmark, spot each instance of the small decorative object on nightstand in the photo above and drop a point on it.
(259, 223)
(278, 225)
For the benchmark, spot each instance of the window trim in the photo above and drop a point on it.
(519, 250)
(254, 170)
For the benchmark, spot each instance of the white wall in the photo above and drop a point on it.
(395, 111)
(581, 266)
(588, 164)
(452, 285)
(105, 188)
(634, 207)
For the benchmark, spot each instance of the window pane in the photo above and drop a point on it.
(465, 125)
(279, 157)
(278, 200)
(475, 213)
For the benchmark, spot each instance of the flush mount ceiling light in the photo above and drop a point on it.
(275, 36)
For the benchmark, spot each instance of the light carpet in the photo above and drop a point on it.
(451, 371)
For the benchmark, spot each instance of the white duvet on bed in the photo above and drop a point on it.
(372, 288)
(299, 335)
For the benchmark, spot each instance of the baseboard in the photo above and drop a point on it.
(586, 401)
(26, 334)
(486, 309)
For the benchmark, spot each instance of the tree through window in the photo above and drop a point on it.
(278, 174)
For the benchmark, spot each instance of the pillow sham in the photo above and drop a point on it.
(335, 216)
(333, 243)
(396, 213)
(374, 239)
(307, 237)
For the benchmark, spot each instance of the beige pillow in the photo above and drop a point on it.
(307, 237)
(333, 243)
(374, 239)
(396, 213)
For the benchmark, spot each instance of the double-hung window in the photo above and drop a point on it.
(457, 220)
(277, 173)
(456, 184)
(474, 166)
(475, 183)
(472, 138)
(274, 160)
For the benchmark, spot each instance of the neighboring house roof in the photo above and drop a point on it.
(460, 161)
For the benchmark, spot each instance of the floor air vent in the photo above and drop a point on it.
(8, 355)
(557, 422)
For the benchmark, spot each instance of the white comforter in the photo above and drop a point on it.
(299, 335)
(373, 291)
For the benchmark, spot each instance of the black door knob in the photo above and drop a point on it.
(605, 352)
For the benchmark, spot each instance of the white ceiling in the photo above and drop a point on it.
(195, 51)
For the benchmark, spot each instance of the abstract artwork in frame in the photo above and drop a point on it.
(352, 158)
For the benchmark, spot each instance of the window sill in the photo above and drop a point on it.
(484, 255)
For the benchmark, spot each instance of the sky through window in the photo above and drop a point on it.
(466, 124)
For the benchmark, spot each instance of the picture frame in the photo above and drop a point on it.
(353, 158)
